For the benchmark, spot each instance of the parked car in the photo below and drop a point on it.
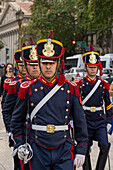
(106, 73)
(74, 73)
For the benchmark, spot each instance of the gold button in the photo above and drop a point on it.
(65, 136)
(62, 88)
(36, 90)
(32, 104)
(67, 110)
(82, 96)
(68, 91)
(101, 85)
(66, 117)
(41, 88)
(87, 83)
(103, 92)
(80, 86)
(67, 102)
(34, 117)
(36, 137)
(83, 85)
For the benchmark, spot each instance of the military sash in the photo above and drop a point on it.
(44, 100)
(91, 92)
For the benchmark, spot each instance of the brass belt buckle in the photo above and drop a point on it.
(50, 128)
(93, 109)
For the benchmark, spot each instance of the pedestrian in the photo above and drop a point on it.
(50, 145)
(96, 99)
(8, 72)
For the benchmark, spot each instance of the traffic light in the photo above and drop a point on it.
(7, 49)
(7, 55)
(73, 42)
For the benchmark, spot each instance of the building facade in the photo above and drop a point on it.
(9, 28)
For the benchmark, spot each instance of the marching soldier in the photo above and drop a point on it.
(52, 102)
(13, 89)
(21, 73)
(96, 99)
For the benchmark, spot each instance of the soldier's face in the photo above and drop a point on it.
(33, 70)
(91, 71)
(22, 70)
(48, 69)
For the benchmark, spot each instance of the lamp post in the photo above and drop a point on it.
(19, 18)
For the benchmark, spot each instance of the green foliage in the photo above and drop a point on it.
(70, 20)
(58, 16)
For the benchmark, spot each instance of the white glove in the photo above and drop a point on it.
(108, 127)
(25, 152)
(79, 160)
(71, 123)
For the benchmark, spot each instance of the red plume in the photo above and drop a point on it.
(101, 68)
(31, 41)
(50, 35)
(91, 48)
(24, 44)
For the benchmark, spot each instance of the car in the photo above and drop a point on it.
(74, 73)
(106, 73)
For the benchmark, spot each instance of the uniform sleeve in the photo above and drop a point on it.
(108, 107)
(18, 121)
(79, 120)
(7, 110)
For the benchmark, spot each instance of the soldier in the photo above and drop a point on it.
(95, 96)
(52, 102)
(13, 89)
(21, 73)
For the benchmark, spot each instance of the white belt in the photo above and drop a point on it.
(92, 108)
(50, 128)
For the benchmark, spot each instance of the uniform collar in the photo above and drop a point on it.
(90, 80)
(48, 83)
(19, 75)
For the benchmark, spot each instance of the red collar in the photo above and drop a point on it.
(44, 81)
(91, 81)
(19, 76)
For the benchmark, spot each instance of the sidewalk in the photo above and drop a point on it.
(6, 160)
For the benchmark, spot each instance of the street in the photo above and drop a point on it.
(6, 160)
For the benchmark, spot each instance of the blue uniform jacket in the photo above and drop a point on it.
(57, 111)
(99, 97)
(10, 100)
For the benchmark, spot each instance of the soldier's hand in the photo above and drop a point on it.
(25, 152)
(11, 142)
(108, 127)
(79, 160)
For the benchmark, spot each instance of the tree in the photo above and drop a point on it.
(96, 17)
(56, 15)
